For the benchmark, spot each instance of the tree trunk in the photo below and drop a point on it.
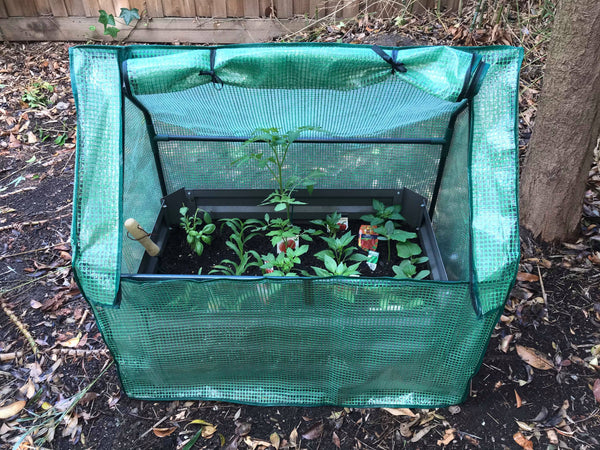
(567, 125)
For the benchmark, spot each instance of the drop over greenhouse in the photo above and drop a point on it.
(419, 143)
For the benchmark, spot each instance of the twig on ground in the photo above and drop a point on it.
(79, 352)
(22, 328)
(32, 223)
(152, 427)
(47, 247)
(10, 356)
(18, 191)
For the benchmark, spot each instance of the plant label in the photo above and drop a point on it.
(367, 237)
(372, 259)
(284, 244)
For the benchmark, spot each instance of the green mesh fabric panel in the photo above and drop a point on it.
(356, 342)
(451, 220)
(141, 188)
(345, 342)
(494, 177)
(200, 165)
(440, 71)
(98, 172)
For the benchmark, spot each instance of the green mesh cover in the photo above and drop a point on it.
(311, 341)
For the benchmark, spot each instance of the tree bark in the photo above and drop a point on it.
(566, 129)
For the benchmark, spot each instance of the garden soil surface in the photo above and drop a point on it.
(538, 386)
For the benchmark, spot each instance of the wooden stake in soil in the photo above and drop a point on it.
(139, 234)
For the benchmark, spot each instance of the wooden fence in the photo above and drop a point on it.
(197, 21)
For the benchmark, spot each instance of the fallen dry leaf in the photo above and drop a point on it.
(448, 437)
(534, 358)
(208, 431)
(506, 340)
(518, 399)
(275, 440)
(163, 432)
(421, 433)
(596, 390)
(523, 441)
(552, 436)
(524, 276)
(12, 409)
(294, 437)
(336, 440)
(73, 342)
(400, 412)
(314, 432)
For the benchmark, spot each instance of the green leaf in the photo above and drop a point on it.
(389, 227)
(105, 19)
(407, 249)
(129, 14)
(310, 188)
(190, 239)
(321, 272)
(207, 218)
(330, 263)
(31, 160)
(198, 248)
(321, 255)
(209, 228)
(280, 206)
(193, 440)
(92, 28)
(421, 260)
(112, 31)
(422, 274)
(183, 210)
(378, 206)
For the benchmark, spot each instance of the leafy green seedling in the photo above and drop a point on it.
(284, 230)
(36, 94)
(197, 239)
(382, 214)
(390, 233)
(279, 145)
(241, 233)
(229, 267)
(331, 224)
(283, 263)
(61, 139)
(334, 269)
(340, 250)
(408, 268)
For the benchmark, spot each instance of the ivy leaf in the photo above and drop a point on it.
(106, 19)
(112, 31)
(129, 14)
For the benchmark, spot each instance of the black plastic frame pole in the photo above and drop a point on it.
(430, 141)
(444, 157)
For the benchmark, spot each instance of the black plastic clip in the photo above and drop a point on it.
(211, 73)
(391, 60)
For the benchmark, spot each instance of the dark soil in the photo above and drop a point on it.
(179, 258)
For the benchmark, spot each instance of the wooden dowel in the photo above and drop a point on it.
(139, 234)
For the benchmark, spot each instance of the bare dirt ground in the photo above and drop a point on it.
(538, 387)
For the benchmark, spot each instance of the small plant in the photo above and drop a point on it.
(390, 233)
(283, 263)
(339, 250)
(36, 94)
(408, 249)
(336, 269)
(197, 239)
(241, 233)
(108, 20)
(408, 268)
(284, 230)
(61, 139)
(279, 144)
(382, 214)
(331, 224)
